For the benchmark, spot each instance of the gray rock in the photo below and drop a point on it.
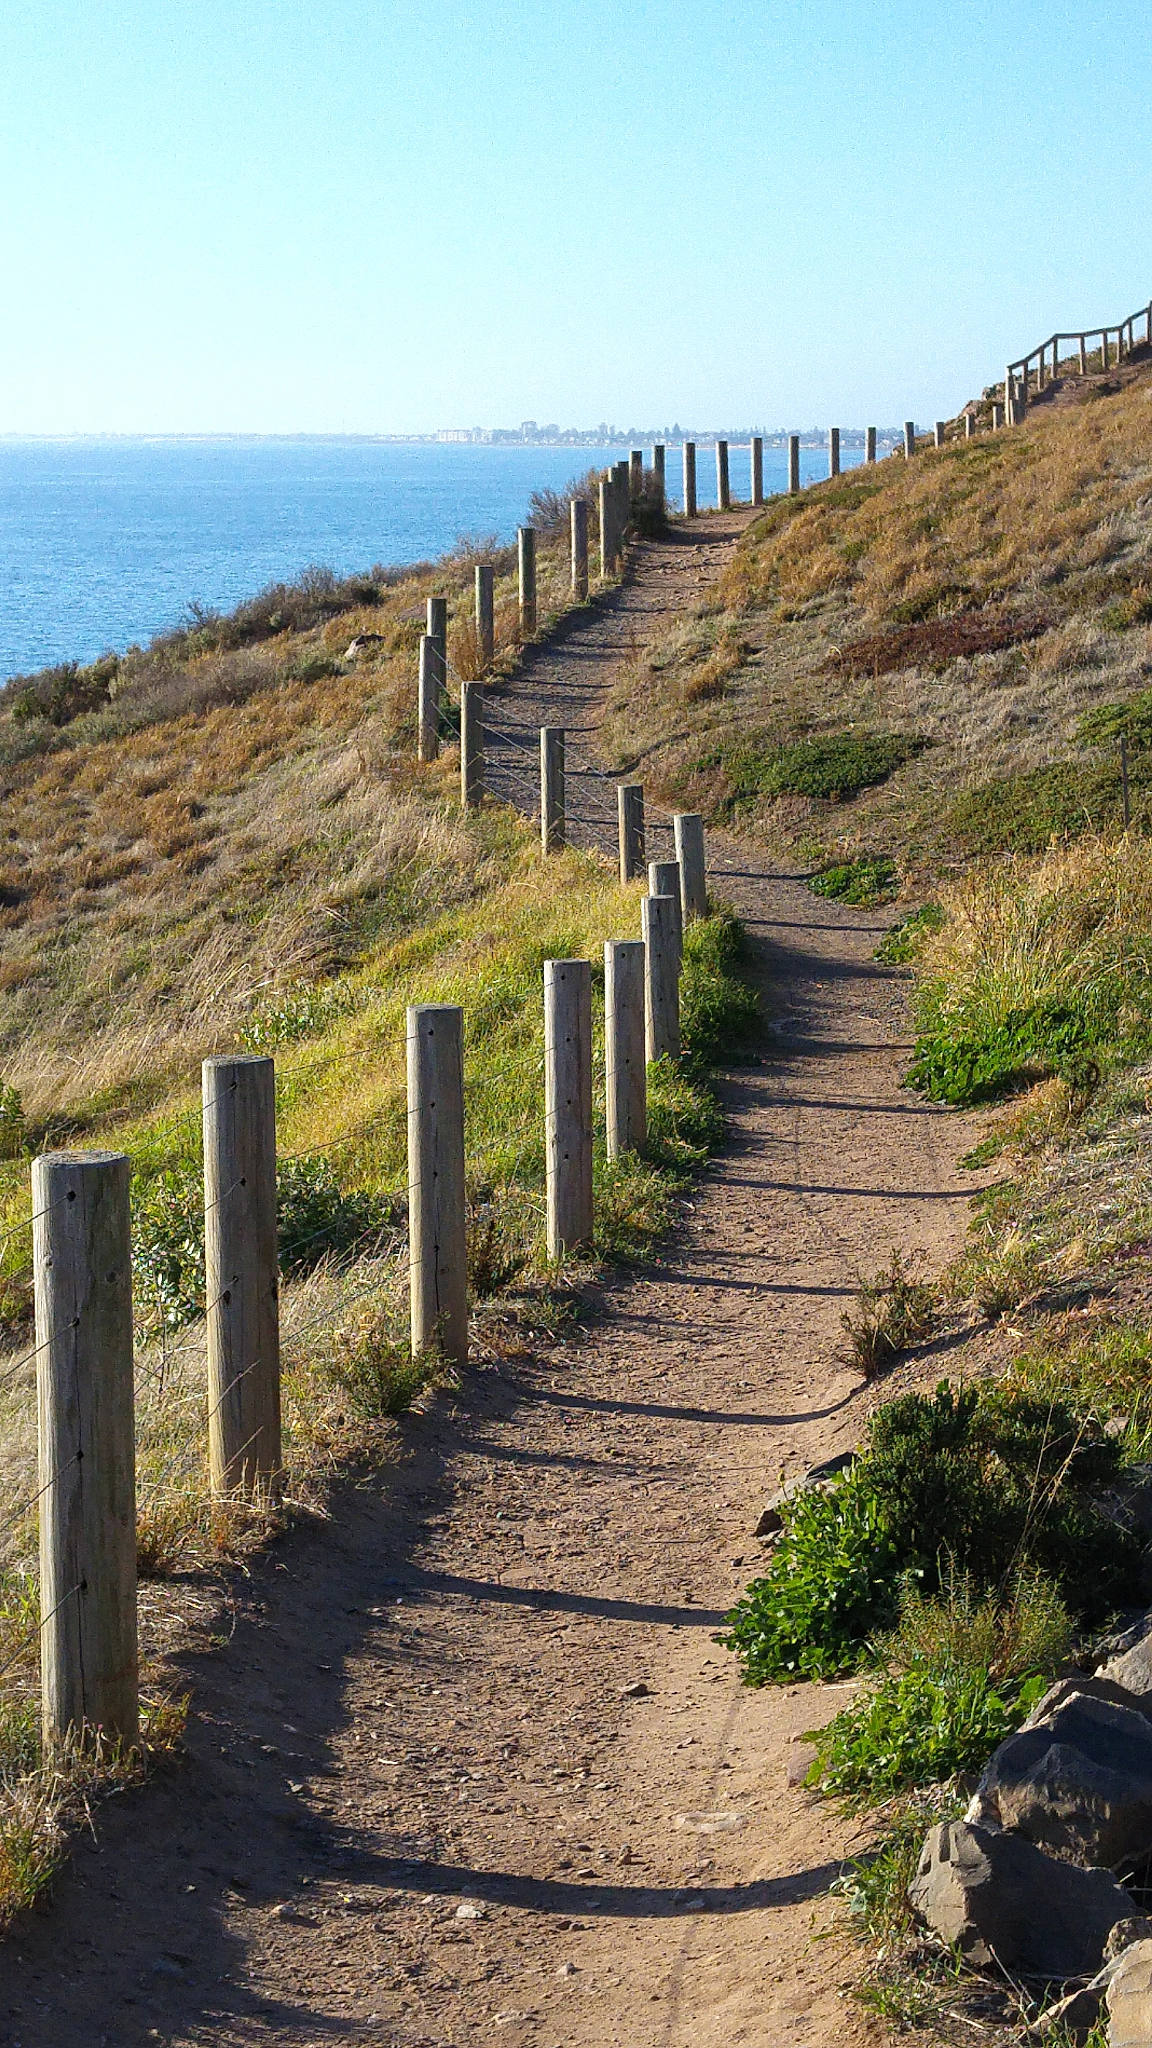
(1130, 1999)
(1005, 1901)
(1075, 2016)
(1091, 1688)
(772, 1520)
(1131, 1661)
(1128, 1503)
(1078, 1783)
(1125, 1932)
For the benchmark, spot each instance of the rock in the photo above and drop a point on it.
(639, 1691)
(1003, 1900)
(1125, 1932)
(1092, 1688)
(1131, 1661)
(1129, 1998)
(1074, 2017)
(469, 1910)
(772, 1520)
(1078, 1783)
(361, 641)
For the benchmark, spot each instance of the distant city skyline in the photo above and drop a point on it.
(411, 215)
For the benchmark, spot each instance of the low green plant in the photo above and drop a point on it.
(1024, 813)
(13, 1133)
(986, 1481)
(963, 1671)
(296, 1013)
(874, 1888)
(903, 943)
(831, 767)
(719, 1012)
(868, 881)
(373, 1365)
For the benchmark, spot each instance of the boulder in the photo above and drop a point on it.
(1004, 1901)
(1074, 2017)
(1077, 1783)
(772, 1520)
(1129, 1998)
(1131, 1661)
(1091, 1688)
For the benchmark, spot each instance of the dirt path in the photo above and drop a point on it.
(425, 1800)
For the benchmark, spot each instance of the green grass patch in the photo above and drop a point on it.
(867, 882)
(1024, 813)
(902, 944)
(833, 767)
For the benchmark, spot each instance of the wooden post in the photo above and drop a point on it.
(793, 463)
(997, 416)
(833, 451)
(688, 829)
(969, 426)
(578, 521)
(938, 434)
(1104, 348)
(630, 812)
(568, 1104)
(607, 526)
(723, 488)
(909, 438)
(437, 632)
(551, 788)
(526, 556)
(661, 975)
(428, 702)
(664, 879)
(1083, 357)
(241, 1276)
(870, 444)
(623, 502)
(485, 612)
(625, 1072)
(82, 1279)
(636, 473)
(690, 479)
(757, 469)
(437, 1247)
(437, 626)
(471, 745)
(658, 459)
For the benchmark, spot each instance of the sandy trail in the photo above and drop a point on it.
(422, 1802)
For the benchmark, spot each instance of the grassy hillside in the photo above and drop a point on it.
(900, 662)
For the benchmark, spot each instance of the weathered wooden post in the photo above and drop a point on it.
(437, 626)
(690, 479)
(630, 813)
(437, 1247)
(623, 501)
(551, 788)
(870, 444)
(658, 469)
(793, 463)
(526, 558)
(1104, 363)
(578, 521)
(607, 526)
(661, 976)
(485, 612)
(428, 700)
(568, 1103)
(1083, 356)
(909, 438)
(969, 426)
(688, 831)
(723, 487)
(757, 469)
(636, 473)
(625, 1071)
(471, 745)
(833, 451)
(938, 434)
(664, 879)
(997, 416)
(241, 1276)
(82, 1281)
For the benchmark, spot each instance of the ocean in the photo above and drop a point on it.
(107, 542)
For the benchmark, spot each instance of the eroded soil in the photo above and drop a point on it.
(470, 1765)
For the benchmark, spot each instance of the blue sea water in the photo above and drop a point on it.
(107, 542)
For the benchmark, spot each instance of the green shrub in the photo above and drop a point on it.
(903, 942)
(867, 881)
(953, 1065)
(719, 1012)
(373, 1365)
(61, 694)
(893, 1310)
(305, 1011)
(1106, 724)
(830, 1585)
(982, 1481)
(1024, 813)
(832, 766)
(13, 1132)
(317, 1220)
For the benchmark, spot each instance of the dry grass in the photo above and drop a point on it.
(985, 596)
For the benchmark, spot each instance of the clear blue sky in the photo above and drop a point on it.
(375, 215)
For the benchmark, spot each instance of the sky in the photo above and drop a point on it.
(278, 216)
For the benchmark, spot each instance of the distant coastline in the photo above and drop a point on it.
(528, 435)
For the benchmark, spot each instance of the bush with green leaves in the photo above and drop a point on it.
(901, 945)
(317, 1220)
(985, 1481)
(868, 881)
(719, 1012)
(961, 1672)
